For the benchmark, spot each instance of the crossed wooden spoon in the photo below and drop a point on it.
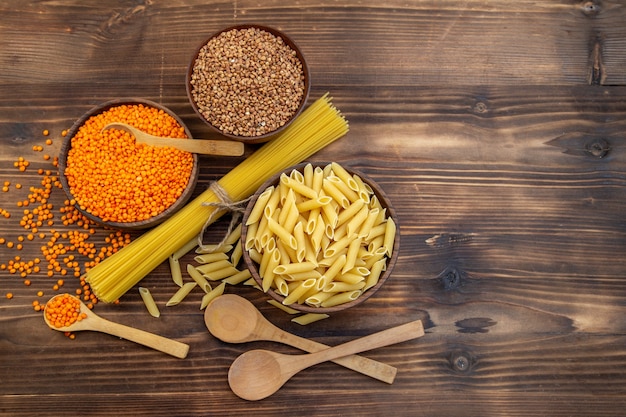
(258, 374)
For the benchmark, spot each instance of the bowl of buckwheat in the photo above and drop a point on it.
(248, 82)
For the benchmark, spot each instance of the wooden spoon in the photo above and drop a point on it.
(257, 374)
(233, 319)
(98, 324)
(202, 146)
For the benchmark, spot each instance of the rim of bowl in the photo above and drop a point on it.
(143, 224)
(266, 136)
(385, 201)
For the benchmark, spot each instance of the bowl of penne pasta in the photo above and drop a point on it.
(320, 238)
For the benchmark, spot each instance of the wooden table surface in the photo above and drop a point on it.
(497, 128)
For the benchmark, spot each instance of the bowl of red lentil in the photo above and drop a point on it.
(248, 82)
(119, 183)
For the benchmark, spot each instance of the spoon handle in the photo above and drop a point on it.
(201, 146)
(402, 333)
(363, 365)
(160, 343)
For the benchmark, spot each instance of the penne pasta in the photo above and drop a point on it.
(365, 191)
(294, 268)
(251, 237)
(234, 236)
(210, 257)
(308, 205)
(344, 188)
(378, 230)
(214, 266)
(309, 318)
(334, 269)
(307, 174)
(349, 212)
(272, 203)
(299, 187)
(181, 294)
(281, 286)
(285, 308)
(149, 302)
(236, 254)
(317, 298)
(198, 278)
(299, 290)
(337, 246)
(258, 209)
(350, 277)
(372, 278)
(212, 295)
(214, 248)
(390, 235)
(354, 224)
(282, 233)
(238, 278)
(296, 176)
(345, 176)
(367, 225)
(337, 286)
(302, 276)
(353, 251)
(185, 249)
(268, 276)
(322, 238)
(318, 179)
(222, 273)
(341, 298)
(175, 270)
(334, 192)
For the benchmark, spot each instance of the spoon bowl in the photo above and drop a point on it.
(96, 323)
(201, 146)
(257, 374)
(233, 319)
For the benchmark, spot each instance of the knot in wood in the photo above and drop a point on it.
(451, 278)
(590, 8)
(461, 361)
(598, 148)
(480, 107)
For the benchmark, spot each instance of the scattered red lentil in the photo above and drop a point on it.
(46, 132)
(60, 250)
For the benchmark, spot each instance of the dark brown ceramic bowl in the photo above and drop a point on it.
(385, 202)
(144, 224)
(261, 137)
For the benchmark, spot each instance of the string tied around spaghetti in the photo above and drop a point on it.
(225, 203)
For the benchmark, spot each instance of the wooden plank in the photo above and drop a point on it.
(545, 43)
(496, 129)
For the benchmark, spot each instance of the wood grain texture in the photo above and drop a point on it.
(497, 130)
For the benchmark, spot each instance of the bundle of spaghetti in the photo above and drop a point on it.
(319, 125)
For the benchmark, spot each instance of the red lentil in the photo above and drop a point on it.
(60, 250)
(116, 179)
(63, 310)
